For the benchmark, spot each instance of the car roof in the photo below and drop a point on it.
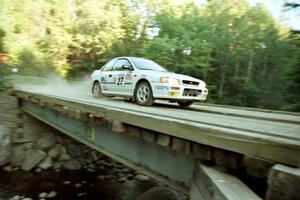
(130, 57)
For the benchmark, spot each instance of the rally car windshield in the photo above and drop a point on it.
(144, 64)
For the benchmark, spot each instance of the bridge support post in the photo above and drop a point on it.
(210, 183)
(283, 183)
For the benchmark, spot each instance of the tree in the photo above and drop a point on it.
(99, 29)
(186, 32)
(293, 89)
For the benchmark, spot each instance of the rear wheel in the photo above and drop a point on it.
(185, 103)
(143, 94)
(96, 90)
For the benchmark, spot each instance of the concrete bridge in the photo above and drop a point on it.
(183, 148)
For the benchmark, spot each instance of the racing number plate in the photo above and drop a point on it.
(192, 92)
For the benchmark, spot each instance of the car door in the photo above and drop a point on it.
(122, 75)
(106, 77)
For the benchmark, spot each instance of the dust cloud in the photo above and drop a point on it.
(52, 84)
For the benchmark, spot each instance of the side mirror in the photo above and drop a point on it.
(127, 67)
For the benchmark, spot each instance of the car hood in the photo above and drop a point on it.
(184, 77)
(178, 76)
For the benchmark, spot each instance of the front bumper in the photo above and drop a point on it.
(179, 92)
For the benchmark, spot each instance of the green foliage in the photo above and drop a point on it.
(162, 50)
(188, 50)
(243, 55)
(29, 62)
(239, 50)
(2, 35)
(293, 87)
(4, 80)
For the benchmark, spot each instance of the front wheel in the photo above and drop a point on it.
(143, 94)
(96, 90)
(185, 103)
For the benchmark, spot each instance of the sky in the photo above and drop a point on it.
(290, 18)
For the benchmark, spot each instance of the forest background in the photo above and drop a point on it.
(243, 54)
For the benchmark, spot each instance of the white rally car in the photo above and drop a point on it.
(144, 81)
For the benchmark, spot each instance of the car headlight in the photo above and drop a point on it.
(171, 81)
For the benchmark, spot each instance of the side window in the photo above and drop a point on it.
(109, 66)
(118, 66)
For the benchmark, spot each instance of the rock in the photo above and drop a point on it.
(67, 182)
(46, 163)
(52, 194)
(46, 142)
(55, 151)
(5, 148)
(101, 177)
(98, 162)
(81, 194)
(122, 179)
(78, 185)
(107, 164)
(76, 152)
(93, 156)
(90, 170)
(121, 174)
(59, 139)
(92, 165)
(119, 166)
(130, 186)
(101, 162)
(141, 177)
(115, 170)
(124, 170)
(19, 153)
(134, 172)
(26, 136)
(108, 176)
(130, 176)
(38, 170)
(43, 195)
(159, 193)
(57, 165)
(33, 157)
(17, 197)
(8, 168)
(64, 155)
(85, 167)
(27, 198)
(16, 168)
(72, 165)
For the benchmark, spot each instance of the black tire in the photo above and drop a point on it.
(143, 94)
(185, 103)
(96, 90)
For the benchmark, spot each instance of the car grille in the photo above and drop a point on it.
(191, 92)
(186, 82)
